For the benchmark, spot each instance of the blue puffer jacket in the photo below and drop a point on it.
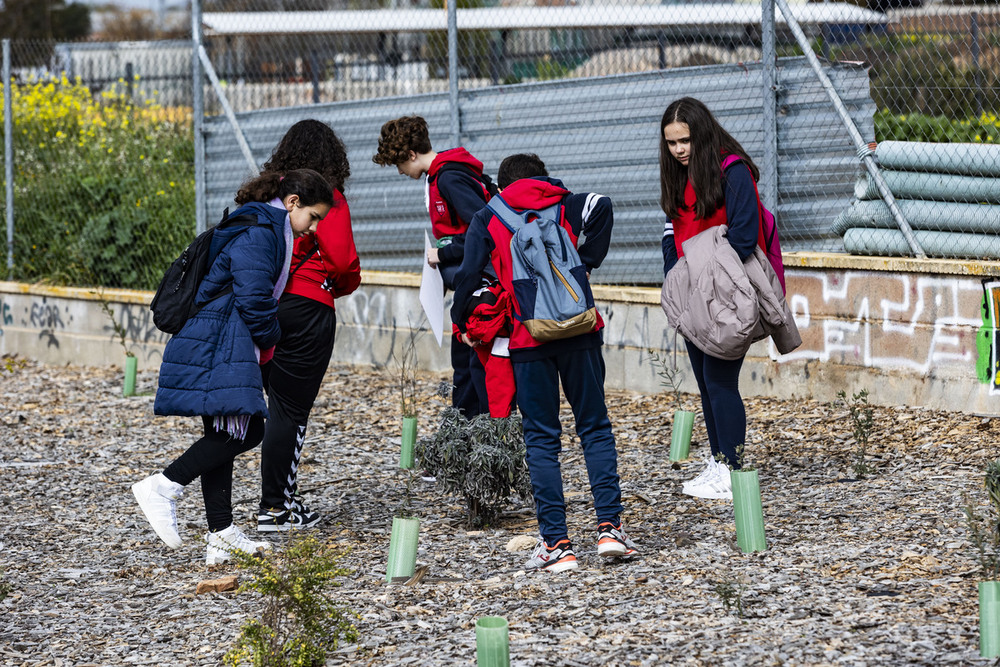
(210, 368)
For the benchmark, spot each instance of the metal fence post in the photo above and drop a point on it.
(8, 157)
(453, 70)
(769, 168)
(198, 113)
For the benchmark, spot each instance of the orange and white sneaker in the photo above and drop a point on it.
(557, 558)
(612, 542)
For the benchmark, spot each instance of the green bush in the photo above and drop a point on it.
(301, 623)
(482, 459)
(890, 126)
(103, 187)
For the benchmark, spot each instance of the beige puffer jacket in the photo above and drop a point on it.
(723, 305)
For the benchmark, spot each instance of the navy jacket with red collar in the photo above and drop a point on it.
(589, 219)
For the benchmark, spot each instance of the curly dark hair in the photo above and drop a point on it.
(398, 137)
(309, 185)
(311, 144)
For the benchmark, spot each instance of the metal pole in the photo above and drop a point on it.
(976, 71)
(453, 70)
(198, 112)
(864, 152)
(8, 157)
(769, 168)
(227, 109)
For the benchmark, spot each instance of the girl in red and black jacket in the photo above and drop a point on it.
(456, 189)
(324, 266)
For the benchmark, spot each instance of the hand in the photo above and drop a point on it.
(471, 342)
(432, 256)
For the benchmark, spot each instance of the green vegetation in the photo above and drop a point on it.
(300, 624)
(862, 418)
(103, 186)
(482, 459)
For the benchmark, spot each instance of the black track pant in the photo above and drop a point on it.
(211, 458)
(292, 379)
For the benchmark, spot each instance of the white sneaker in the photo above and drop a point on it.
(719, 486)
(157, 497)
(710, 471)
(222, 544)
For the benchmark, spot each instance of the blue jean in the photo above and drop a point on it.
(725, 415)
(582, 375)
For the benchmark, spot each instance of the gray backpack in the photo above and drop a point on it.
(549, 280)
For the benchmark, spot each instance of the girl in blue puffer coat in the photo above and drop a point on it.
(211, 367)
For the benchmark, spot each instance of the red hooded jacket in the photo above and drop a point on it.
(334, 270)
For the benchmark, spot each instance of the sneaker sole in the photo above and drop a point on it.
(612, 549)
(285, 527)
(561, 566)
(170, 540)
(709, 495)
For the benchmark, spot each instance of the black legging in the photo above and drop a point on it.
(725, 414)
(211, 458)
(293, 379)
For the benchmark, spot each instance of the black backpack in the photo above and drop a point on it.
(173, 304)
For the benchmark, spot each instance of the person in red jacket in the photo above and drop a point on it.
(324, 266)
(539, 368)
(456, 190)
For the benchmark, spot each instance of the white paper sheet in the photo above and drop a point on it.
(432, 295)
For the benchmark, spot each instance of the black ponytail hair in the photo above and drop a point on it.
(306, 183)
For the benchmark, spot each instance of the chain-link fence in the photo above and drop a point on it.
(932, 77)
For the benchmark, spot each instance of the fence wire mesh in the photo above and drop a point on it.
(103, 152)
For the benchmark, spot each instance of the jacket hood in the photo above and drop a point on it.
(459, 155)
(538, 192)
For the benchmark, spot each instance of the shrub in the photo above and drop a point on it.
(103, 186)
(482, 459)
(920, 127)
(300, 624)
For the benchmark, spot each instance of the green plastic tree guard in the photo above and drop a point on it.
(407, 442)
(402, 547)
(131, 365)
(989, 619)
(492, 642)
(680, 435)
(748, 511)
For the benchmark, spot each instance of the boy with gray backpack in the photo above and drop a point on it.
(542, 242)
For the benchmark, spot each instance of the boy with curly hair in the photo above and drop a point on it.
(455, 190)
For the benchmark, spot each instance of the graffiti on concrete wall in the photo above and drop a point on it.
(885, 320)
(988, 353)
(364, 313)
(53, 320)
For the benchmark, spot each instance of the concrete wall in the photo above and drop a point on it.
(912, 333)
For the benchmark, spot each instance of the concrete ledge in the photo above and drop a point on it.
(911, 332)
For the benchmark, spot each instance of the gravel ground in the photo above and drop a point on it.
(871, 572)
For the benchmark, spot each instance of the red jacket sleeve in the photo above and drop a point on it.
(336, 247)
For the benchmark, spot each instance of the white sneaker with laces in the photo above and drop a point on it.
(710, 471)
(157, 497)
(222, 544)
(718, 487)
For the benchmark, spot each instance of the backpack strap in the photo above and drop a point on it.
(732, 159)
(312, 251)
